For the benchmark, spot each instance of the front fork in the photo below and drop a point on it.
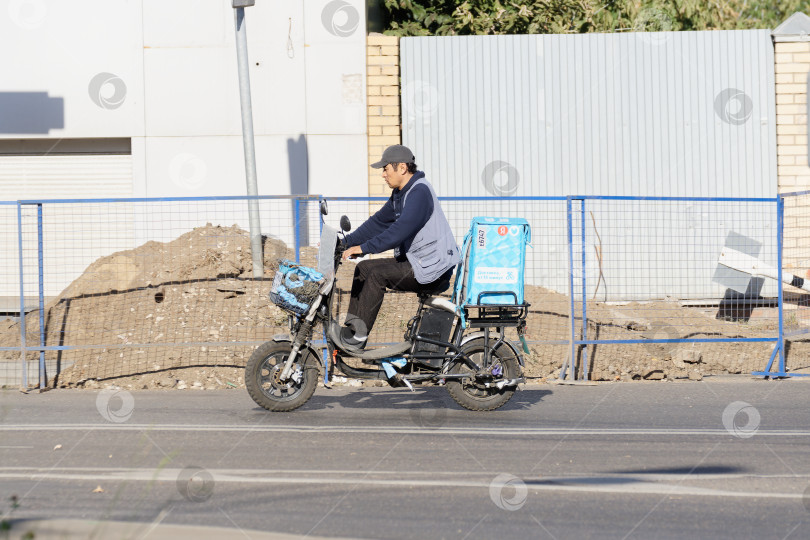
(300, 338)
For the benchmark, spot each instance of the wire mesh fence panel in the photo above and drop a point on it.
(144, 286)
(546, 269)
(123, 287)
(10, 361)
(671, 284)
(546, 272)
(796, 262)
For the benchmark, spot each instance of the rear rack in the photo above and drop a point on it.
(489, 315)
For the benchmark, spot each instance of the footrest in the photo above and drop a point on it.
(385, 352)
(373, 354)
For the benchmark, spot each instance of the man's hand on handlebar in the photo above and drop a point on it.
(352, 253)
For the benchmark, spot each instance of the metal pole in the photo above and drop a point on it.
(572, 362)
(23, 348)
(297, 213)
(584, 298)
(247, 140)
(41, 272)
(780, 225)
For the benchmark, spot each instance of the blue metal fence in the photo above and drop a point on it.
(116, 287)
(677, 265)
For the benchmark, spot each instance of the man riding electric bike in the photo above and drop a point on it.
(459, 343)
(412, 224)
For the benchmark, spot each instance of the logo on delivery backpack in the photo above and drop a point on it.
(502, 230)
(487, 274)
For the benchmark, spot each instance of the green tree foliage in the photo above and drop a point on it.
(469, 17)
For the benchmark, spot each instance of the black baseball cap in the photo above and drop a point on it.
(395, 154)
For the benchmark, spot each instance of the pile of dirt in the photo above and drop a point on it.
(549, 323)
(161, 306)
(189, 310)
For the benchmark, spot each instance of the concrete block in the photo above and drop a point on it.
(382, 40)
(791, 150)
(781, 68)
(790, 129)
(791, 170)
(385, 141)
(383, 80)
(383, 121)
(786, 183)
(654, 375)
(683, 356)
(792, 47)
(786, 160)
(793, 88)
(394, 61)
(385, 101)
(791, 109)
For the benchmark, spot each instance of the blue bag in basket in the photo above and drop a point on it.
(494, 260)
(295, 286)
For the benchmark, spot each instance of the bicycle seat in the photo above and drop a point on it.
(436, 290)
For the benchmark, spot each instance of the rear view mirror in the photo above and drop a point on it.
(324, 207)
(345, 224)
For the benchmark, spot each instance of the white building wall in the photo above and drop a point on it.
(163, 74)
(173, 89)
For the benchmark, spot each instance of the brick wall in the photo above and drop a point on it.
(792, 67)
(383, 104)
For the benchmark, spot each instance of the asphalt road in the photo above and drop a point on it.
(711, 459)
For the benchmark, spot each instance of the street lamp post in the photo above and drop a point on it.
(247, 135)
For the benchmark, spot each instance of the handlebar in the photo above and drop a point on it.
(339, 249)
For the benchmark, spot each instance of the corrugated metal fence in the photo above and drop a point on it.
(668, 114)
(685, 114)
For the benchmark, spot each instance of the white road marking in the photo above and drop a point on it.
(619, 484)
(477, 431)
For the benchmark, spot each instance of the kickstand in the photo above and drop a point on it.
(408, 384)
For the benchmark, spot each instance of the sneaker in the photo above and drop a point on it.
(398, 381)
(348, 337)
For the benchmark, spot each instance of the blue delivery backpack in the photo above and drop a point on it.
(493, 262)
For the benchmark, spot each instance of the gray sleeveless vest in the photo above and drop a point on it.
(433, 249)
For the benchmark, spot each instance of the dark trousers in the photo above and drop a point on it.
(372, 277)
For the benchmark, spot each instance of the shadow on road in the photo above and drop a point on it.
(403, 399)
(681, 471)
(638, 476)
